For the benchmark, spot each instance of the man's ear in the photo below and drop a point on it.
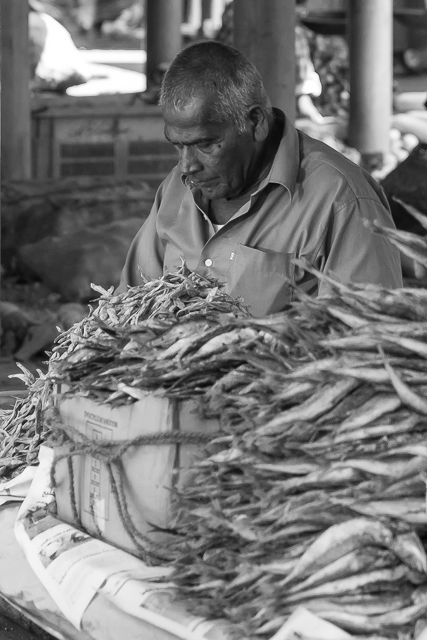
(259, 123)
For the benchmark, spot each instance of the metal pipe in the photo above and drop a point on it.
(163, 25)
(15, 92)
(371, 78)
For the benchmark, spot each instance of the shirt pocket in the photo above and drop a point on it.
(261, 278)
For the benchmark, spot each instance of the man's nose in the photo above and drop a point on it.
(189, 161)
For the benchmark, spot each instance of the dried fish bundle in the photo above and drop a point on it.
(410, 244)
(102, 355)
(318, 497)
(22, 429)
(134, 340)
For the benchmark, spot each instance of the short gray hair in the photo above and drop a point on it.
(209, 68)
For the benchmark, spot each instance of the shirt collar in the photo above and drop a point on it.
(284, 169)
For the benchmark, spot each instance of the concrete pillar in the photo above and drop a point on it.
(264, 30)
(163, 24)
(194, 16)
(371, 78)
(15, 94)
(211, 17)
(218, 7)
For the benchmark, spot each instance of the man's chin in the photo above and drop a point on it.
(214, 192)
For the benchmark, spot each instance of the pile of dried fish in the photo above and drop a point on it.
(314, 493)
(410, 244)
(318, 498)
(137, 340)
(22, 429)
(111, 355)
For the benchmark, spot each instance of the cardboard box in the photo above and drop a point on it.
(149, 470)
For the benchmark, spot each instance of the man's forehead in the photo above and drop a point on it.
(195, 110)
(196, 118)
(191, 132)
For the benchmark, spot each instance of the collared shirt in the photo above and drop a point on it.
(312, 205)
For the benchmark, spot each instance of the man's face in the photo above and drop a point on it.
(214, 157)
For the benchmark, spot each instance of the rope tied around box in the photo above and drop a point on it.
(111, 454)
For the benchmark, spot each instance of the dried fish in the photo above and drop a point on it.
(317, 495)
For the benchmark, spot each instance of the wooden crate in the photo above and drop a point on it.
(117, 136)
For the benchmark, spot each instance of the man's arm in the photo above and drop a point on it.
(356, 254)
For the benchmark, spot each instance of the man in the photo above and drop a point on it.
(251, 193)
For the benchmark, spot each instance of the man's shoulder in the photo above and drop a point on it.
(330, 168)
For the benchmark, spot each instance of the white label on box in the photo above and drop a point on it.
(96, 500)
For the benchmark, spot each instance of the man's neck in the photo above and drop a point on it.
(222, 210)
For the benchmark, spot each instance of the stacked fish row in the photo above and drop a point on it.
(314, 493)
(318, 498)
(318, 495)
(133, 340)
(111, 354)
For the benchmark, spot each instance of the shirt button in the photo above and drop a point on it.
(208, 262)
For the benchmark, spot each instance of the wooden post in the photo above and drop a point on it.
(163, 24)
(264, 30)
(371, 78)
(15, 94)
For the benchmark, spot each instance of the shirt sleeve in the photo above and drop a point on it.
(145, 253)
(355, 254)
